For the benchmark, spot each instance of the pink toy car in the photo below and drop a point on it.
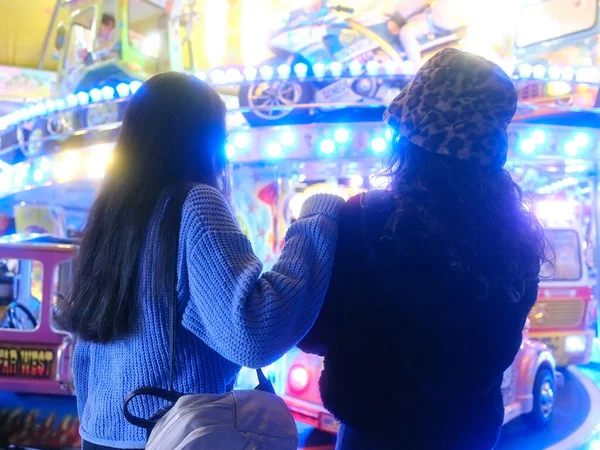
(528, 387)
(37, 405)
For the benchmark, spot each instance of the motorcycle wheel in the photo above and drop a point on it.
(272, 102)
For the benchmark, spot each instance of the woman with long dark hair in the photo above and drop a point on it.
(433, 279)
(162, 224)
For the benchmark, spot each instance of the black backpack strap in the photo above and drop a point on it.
(163, 394)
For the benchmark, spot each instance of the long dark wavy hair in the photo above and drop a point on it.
(464, 251)
(173, 136)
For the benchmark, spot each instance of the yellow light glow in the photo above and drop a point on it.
(97, 161)
(215, 31)
(67, 166)
(489, 25)
(558, 89)
(255, 38)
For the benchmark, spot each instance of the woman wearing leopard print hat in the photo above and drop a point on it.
(434, 278)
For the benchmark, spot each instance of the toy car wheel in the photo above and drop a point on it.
(272, 102)
(20, 318)
(543, 398)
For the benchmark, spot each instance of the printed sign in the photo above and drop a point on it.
(26, 362)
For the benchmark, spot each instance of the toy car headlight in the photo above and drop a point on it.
(575, 344)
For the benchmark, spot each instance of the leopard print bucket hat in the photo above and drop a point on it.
(459, 105)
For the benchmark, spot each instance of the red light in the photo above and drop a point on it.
(298, 379)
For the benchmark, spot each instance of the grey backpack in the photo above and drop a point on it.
(237, 420)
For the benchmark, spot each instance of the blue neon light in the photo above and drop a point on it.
(241, 140)
(288, 138)
(327, 146)
(274, 149)
(571, 149)
(527, 146)
(341, 135)
(378, 145)
(134, 86)
(582, 139)
(539, 137)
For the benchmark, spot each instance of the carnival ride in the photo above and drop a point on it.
(35, 354)
(55, 151)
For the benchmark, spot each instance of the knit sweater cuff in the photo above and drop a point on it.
(326, 204)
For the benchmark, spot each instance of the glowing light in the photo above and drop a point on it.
(108, 93)
(539, 72)
(96, 162)
(356, 180)
(372, 67)
(288, 138)
(554, 72)
(274, 149)
(527, 146)
(250, 73)
(134, 86)
(215, 31)
(558, 88)
(151, 45)
(44, 164)
(408, 67)
(525, 70)
(266, 72)
(389, 134)
(38, 175)
(95, 95)
(587, 75)
(254, 38)
(341, 135)
(571, 148)
(391, 67)
(60, 104)
(83, 98)
(230, 151)
(336, 68)
(595, 445)
(241, 140)
(284, 71)
(50, 105)
(5, 181)
(568, 73)
(217, 76)
(378, 145)
(233, 75)
(582, 139)
(539, 137)
(355, 68)
(122, 90)
(319, 70)
(575, 344)
(553, 211)
(71, 100)
(298, 379)
(20, 174)
(301, 70)
(67, 165)
(327, 146)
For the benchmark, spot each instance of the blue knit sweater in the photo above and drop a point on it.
(231, 315)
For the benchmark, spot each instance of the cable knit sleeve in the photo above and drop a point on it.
(250, 319)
